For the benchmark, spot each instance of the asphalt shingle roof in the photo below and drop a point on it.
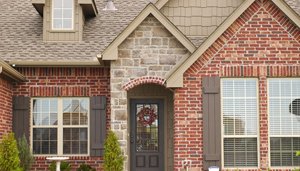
(21, 31)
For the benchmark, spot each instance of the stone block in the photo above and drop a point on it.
(167, 60)
(122, 101)
(147, 61)
(160, 32)
(124, 53)
(136, 53)
(127, 44)
(139, 34)
(119, 134)
(165, 41)
(127, 62)
(175, 44)
(155, 68)
(144, 41)
(156, 41)
(118, 73)
(116, 87)
(121, 115)
(137, 72)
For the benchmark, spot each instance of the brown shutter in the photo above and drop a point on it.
(21, 115)
(97, 125)
(211, 122)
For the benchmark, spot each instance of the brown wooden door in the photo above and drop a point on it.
(146, 135)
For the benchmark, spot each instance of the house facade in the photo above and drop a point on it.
(184, 84)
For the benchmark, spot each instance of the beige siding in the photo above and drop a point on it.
(57, 35)
(199, 18)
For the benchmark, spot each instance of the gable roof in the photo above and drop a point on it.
(22, 42)
(175, 76)
(111, 52)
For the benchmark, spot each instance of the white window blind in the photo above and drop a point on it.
(60, 126)
(62, 14)
(239, 115)
(284, 118)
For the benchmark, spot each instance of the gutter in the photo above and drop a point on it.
(11, 72)
(56, 63)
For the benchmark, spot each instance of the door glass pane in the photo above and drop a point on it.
(147, 127)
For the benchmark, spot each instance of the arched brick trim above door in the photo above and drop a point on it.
(143, 80)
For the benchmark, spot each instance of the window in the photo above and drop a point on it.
(62, 14)
(240, 122)
(60, 126)
(284, 119)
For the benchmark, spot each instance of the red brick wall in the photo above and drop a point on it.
(262, 43)
(63, 82)
(5, 106)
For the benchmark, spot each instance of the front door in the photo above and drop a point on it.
(147, 135)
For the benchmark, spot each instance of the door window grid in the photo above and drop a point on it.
(147, 132)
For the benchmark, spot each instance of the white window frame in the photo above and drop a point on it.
(269, 126)
(52, 16)
(240, 136)
(60, 126)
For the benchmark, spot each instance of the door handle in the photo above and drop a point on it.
(131, 138)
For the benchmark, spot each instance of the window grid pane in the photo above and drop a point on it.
(240, 152)
(239, 112)
(54, 119)
(44, 141)
(62, 17)
(283, 151)
(284, 116)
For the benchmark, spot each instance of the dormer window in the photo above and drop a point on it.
(64, 19)
(62, 14)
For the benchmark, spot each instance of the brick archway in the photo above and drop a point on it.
(144, 80)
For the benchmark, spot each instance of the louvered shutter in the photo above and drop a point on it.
(211, 122)
(97, 125)
(21, 115)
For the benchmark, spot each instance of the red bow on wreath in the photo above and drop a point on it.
(147, 116)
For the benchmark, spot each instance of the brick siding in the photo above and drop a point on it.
(261, 43)
(63, 82)
(5, 106)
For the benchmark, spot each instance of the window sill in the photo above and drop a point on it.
(55, 155)
(62, 31)
(283, 167)
(240, 168)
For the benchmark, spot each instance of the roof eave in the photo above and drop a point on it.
(89, 8)
(64, 63)
(39, 6)
(160, 3)
(11, 72)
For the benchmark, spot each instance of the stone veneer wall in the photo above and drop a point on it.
(150, 50)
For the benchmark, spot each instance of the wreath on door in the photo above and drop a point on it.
(147, 116)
